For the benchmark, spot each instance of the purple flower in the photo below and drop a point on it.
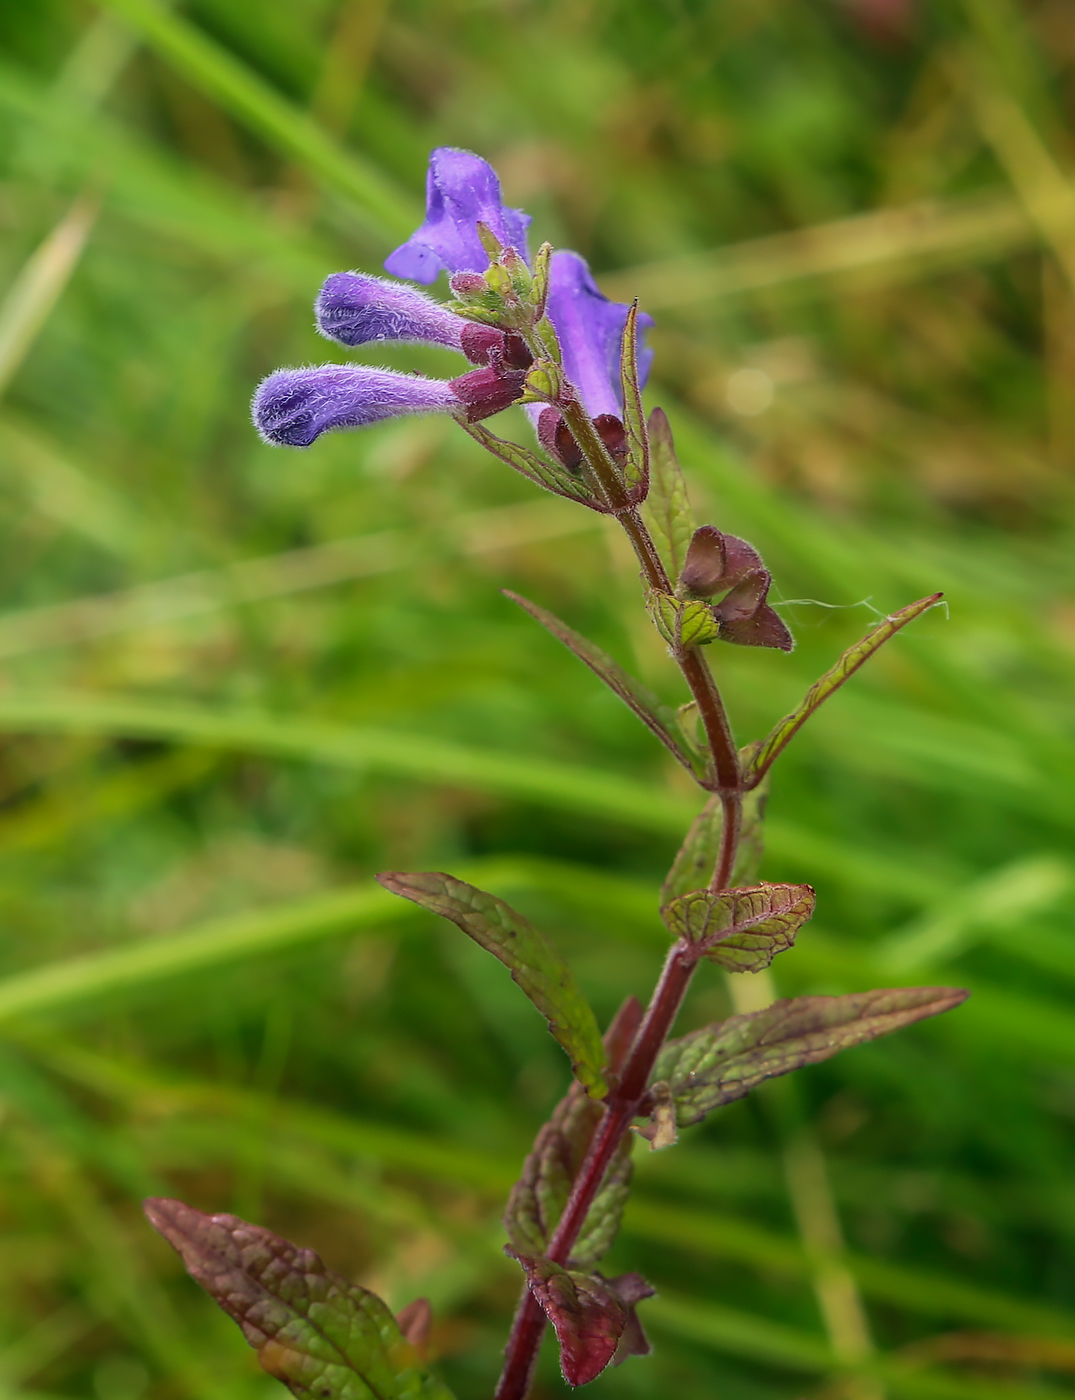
(293, 407)
(355, 309)
(590, 330)
(461, 190)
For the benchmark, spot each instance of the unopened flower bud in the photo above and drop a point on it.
(484, 392)
(466, 285)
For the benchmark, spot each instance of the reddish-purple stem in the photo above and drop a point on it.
(621, 1107)
(623, 1102)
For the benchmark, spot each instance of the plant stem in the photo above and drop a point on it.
(690, 660)
(625, 1099)
(621, 1106)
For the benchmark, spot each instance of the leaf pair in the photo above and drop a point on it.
(594, 1317)
(323, 1336)
(723, 1062)
(535, 963)
(538, 1198)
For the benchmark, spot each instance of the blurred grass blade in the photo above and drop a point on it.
(883, 245)
(66, 494)
(1045, 191)
(1016, 893)
(370, 750)
(81, 980)
(248, 97)
(36, 290)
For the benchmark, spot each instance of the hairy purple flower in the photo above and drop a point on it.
(293, 407)
(590, 330)
(461, 190)
(355, 309)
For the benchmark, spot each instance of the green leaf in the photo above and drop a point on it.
(763, 754)
(661, 719)
(742, 930)
(324, 1337)
(682, 624)
(538, 1198)
(723, 1062)
(666, 510)
(696, 859)
(593, 1317)
(550, 475)
(535, 964)
(636, 465)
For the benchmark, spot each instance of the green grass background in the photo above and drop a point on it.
(238, 681)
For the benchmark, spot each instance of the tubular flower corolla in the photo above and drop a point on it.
(293, 407)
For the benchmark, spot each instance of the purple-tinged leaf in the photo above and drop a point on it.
(550, 475)
(697, 858)
(534, 962)
(723, 1062)
(415, 1321)
(657, 717)
(636, 461)
(538, 1198)
(590, 1315)
(742, 930)
(324, 1337)
(667, 510)
(764, 753)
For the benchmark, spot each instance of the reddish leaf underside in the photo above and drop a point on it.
(323, 1336)
(593, 1317)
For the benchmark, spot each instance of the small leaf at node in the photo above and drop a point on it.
(657, 717)
(415, 1321)
(667, 510)
(552, 476)
(535, 963)
(324, 1337)
(590, 1315)
(742, 930)
(682, 624)
(723, 1062)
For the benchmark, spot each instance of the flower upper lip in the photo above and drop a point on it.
(461, 190)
